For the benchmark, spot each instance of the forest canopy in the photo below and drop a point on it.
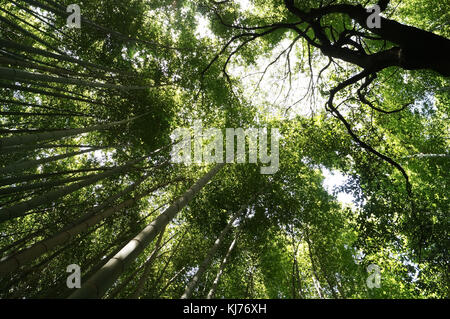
(358, 93)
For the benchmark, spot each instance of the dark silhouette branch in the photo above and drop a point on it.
(364, 100)
(347, 125)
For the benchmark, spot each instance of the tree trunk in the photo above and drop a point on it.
(58, 57)
(170, 282)
(415, 48)
(27, 33)
(31, 177)
(45, 107)
(60, 10)
(147, 267)
(25, 114)
(43, 185)
(21, 208)
(11, 263)
(23, 165)
(15, 74)
(300, 289)
(39, 137)
(316, 279)
(212, 291)
(97, 286)
(47, 93)
(208, 259)
(60, 289)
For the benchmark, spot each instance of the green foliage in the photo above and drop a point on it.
(296, 240)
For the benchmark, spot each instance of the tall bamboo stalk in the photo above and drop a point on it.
(97, 286)
(208, 259)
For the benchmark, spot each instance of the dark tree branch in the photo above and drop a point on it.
(347, 125)
(364, 100)
(402, 46)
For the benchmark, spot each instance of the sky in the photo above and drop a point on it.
(334, 179)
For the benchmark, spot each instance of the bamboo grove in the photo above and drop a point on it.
(86, 175)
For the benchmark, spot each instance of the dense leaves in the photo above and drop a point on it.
(85, 165)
